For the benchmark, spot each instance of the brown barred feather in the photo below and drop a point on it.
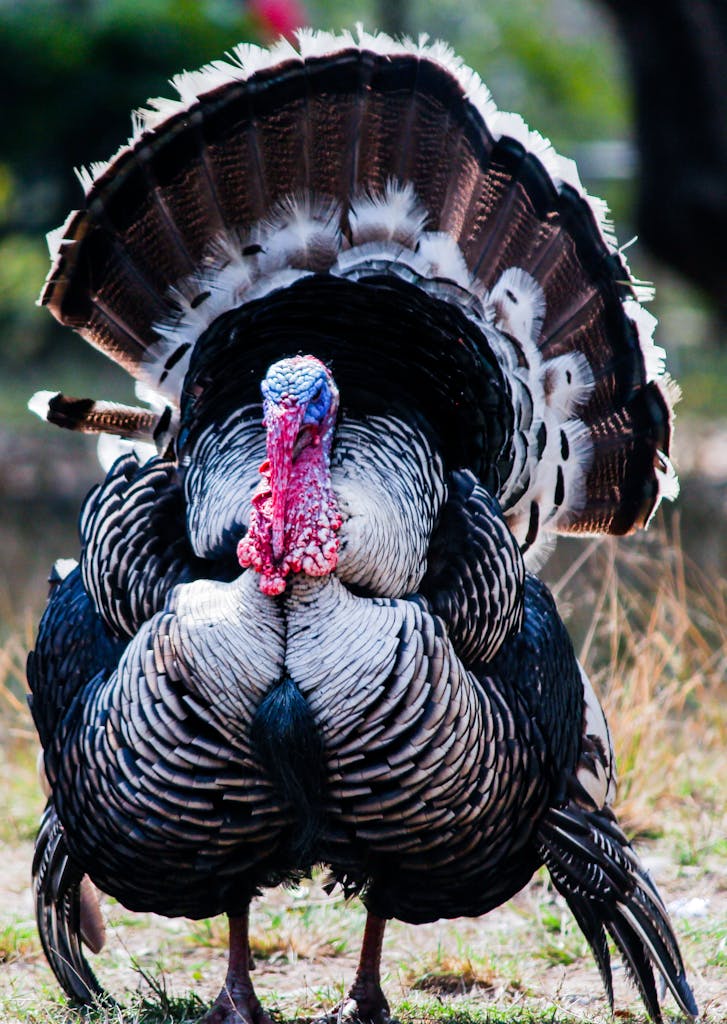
(333, 126)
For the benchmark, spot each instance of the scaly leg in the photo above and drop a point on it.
(237, 1002)
(365, 1001)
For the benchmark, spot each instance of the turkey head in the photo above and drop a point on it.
(294, 517)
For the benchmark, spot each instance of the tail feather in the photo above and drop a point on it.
(190, 202)
(592, 927)
(381, 158)
(595, 869)
(622, 463)
(57, 884)
(91, 417)
(339, 118)
(507, 221)
(637, 964)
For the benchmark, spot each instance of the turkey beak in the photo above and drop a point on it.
(283, 423)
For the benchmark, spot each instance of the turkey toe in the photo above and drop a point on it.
(364, 1006)
(236, 1005)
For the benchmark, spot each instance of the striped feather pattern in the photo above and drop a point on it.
(174, 770)
(436, 772)
(593, 865)
(357, 157)
(138, 510)
(416, 720)
(390, 486)
(475, 572)
(57, 884)
(73, 646)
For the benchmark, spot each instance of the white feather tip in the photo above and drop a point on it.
(39, 403)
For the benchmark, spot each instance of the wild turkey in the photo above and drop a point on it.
(314, 641)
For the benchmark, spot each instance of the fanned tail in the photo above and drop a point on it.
(65, 913)
(364, 159)
(595, 869)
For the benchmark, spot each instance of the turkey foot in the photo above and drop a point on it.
(237, 1002)
(364, 1004)
(365, 1001)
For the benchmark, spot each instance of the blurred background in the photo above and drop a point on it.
(633, 91)
(636, 92)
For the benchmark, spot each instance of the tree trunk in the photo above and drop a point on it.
(677, 55)
(392, 16)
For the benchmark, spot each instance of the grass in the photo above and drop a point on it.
(652, 632)
(19, 941)
(656, 650)
(416, 1010)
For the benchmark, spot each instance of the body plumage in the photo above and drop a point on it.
(304, 631)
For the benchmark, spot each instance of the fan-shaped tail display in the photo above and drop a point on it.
(361, 157)
(388, 347)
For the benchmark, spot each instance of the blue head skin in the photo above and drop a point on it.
(302, 382)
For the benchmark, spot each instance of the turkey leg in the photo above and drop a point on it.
(365, 1001)
(237, 1002)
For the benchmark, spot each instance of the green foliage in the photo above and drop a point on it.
(23, 266)
(702, 375)
(433, 1011)
(18, 940)
(74, 71)
(98, 66)
(573, 76)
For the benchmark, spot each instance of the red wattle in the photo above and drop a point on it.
(311, 522)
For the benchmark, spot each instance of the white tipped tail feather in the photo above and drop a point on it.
(359, 203)
(429, 184)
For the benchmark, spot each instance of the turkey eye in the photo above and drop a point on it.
(317, 400)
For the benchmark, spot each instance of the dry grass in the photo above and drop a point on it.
(308, 925)
(655, 646)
